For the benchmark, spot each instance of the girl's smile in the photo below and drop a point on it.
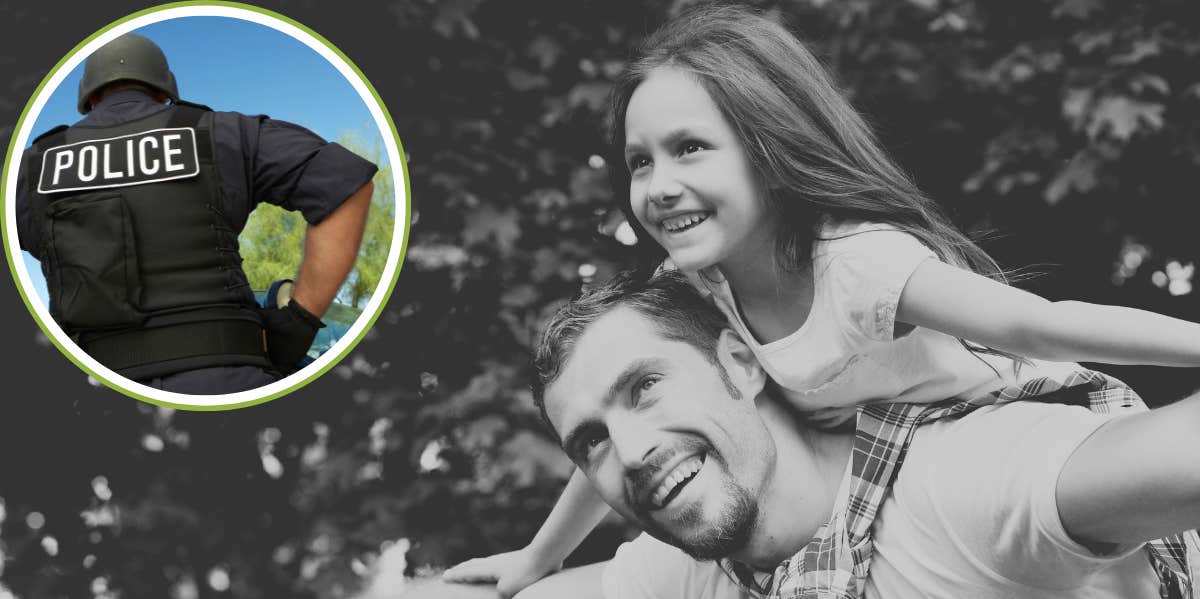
(692, 187)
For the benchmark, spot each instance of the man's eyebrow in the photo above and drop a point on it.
(621, 381)
(631, 370)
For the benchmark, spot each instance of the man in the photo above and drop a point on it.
(134, 213)
(1028, 499)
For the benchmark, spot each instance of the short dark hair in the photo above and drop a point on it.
(665, 298)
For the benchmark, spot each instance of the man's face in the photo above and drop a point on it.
(667, 440)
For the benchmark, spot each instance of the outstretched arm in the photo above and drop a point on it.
(1134, 479)
(970, 306)
(330, 249)
(578, 511)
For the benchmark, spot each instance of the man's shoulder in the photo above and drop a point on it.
(1002, 445)
(1000, 427)
(973, 508)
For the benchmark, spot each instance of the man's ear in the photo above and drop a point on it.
(739, 362)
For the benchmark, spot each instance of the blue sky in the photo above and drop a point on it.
(230, 64)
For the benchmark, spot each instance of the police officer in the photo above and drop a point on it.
(134, 213)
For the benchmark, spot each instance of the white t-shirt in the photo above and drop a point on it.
(845, 354)
(972, 513)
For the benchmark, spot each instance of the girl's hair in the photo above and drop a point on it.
(813, 152)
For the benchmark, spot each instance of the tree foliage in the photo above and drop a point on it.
(272, 243)
(1066, 126)
(381, 222)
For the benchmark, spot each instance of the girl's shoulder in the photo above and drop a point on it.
(866, 262)
(862, 237)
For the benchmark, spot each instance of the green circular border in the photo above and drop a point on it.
(403, 169)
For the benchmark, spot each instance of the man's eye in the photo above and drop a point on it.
(648, 382)
(589, 443)
(642, 395)
(589, 449)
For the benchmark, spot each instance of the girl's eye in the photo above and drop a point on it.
(638, 162)
(691, 147)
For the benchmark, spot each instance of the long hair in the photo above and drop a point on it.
(814, 153)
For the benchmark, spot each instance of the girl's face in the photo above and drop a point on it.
(691, 184)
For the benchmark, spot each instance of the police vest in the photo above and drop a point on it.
(141, 266)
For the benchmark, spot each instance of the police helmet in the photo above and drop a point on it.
(130, 57)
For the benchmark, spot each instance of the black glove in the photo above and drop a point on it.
(290, 329)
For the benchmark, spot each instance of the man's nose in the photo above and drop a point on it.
(633, 440)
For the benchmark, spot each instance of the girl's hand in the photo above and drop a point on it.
(511, 571)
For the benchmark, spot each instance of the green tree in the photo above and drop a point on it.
(381, 222)
(272, 242)
(271, 245)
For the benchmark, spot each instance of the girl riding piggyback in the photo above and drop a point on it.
(747, 170)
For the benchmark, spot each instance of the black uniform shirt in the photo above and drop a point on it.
(258, 159)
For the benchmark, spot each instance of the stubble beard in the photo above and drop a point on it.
(719, 538)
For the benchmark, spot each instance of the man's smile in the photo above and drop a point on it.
(661, 481)
(675, 481)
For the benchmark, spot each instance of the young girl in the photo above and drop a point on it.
(760, 182)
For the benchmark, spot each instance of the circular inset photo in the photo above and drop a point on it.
(206, 206)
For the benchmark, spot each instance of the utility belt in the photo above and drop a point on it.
(162, 350)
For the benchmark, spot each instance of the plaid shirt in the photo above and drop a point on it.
(834, 564)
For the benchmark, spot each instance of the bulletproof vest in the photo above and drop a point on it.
(141, 266)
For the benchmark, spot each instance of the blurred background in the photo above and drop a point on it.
(1067, 131)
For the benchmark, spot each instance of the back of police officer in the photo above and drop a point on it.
(134, 212)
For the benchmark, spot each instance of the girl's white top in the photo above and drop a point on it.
(845, 354)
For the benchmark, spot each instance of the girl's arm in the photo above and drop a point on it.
(970, 306)
(578, 511)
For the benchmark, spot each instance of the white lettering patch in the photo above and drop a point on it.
(147, 157)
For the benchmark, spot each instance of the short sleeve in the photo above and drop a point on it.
(24, 209)
(295, 169)
(646, 568)
(998, 495)
(865, 270)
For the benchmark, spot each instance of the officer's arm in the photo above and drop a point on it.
(330, 249)
(1135, 479)
(25, 225)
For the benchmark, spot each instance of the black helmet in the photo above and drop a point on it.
(130, 57)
